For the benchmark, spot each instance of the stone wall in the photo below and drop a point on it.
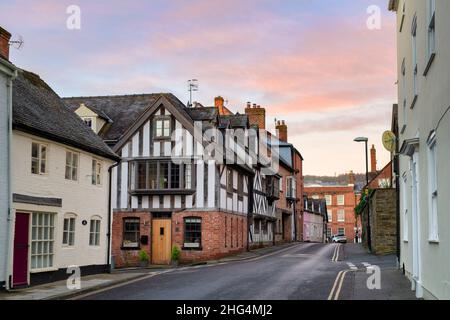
(382, 221)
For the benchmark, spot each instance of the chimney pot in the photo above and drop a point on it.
(282, 131)
(5, 36)
(256, 115)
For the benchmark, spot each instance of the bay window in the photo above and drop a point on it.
(160, 175)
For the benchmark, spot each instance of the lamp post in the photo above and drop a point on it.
(369, 236)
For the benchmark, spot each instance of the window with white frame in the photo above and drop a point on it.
(71, 165)
(94, 232)
(42, 240)
(330, 215)
(328, 232)
(433, 190)
(162, 126)
(290, 187)
(405, 223)
(69, 231)
(431, 27)
(96, 172)
(281, 184)
(315, 196)
(341, 231)
(89, 122)
(329, 199)
(38, 158)
(340, 200)
(341, 215)
(414, 55)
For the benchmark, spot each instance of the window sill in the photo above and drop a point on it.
(43, 270)
(130, 248)
(433, 241)
(430, 62)
(405, 241)
(413, 103)
(192, 249)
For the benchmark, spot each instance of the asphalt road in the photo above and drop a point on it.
(302, 272)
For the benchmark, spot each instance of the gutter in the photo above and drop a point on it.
(108, 254)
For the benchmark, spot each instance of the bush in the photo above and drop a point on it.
(143, 256)
(176, 253)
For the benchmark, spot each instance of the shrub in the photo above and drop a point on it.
(176, 253)
(143, 256)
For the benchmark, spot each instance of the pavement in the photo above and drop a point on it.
(300, 271)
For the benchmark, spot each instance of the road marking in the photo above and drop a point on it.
(334, 285)
(335, 257)
(336, 297)
(352, 266)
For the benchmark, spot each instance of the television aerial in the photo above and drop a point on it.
(17, 44)
(192, 86)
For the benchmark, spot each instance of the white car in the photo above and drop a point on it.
(339, 238)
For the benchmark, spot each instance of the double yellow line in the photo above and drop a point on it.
(335, 257)
(337, 287)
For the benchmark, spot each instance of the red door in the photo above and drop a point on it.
(20, 263)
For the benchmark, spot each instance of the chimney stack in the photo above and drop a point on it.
(373, 159)
(351, 178)
(282, 131)
(256, 115)
(5, 36)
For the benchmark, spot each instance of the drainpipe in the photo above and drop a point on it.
(10, 219)
(108, 253)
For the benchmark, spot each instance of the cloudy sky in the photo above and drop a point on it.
(315, 64)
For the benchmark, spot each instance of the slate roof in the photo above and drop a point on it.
(37, 109)
(123, 110)
(234, 121)
(203, 113)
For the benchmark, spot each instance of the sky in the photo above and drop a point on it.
(315, 64)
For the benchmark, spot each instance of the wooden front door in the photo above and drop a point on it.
(20, 262)
(161, 241)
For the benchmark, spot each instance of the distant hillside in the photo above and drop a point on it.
(341, 179)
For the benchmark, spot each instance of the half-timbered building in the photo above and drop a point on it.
(171, 188)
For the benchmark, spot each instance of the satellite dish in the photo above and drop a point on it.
(17, 44)
(389, 141)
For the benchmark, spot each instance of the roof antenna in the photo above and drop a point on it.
(17, 44)
(192, 86)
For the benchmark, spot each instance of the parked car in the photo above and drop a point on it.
(339, 238)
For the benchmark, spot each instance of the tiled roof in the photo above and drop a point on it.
(234, 121)
(123, 110)
(39, 110)
(202, 113)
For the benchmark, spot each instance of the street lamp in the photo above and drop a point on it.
(369, 237)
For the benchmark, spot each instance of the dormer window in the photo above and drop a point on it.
(162, 127)
(89, 122)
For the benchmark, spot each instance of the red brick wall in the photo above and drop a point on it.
(5, 36)
(350, 201)
(385, 173)
(222, 234)
(126, 258)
